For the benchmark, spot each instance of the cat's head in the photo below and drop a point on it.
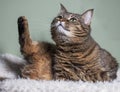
(69, 27)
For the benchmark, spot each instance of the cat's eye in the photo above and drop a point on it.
(73, 19)
(59, 17)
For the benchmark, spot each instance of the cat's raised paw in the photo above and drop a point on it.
(22, 25)
(22, 19)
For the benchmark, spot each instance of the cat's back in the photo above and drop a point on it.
(108, 62)
(103, 62)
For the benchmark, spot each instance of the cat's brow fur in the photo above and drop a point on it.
(75, 56)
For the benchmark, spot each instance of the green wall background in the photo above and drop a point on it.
(105, 23)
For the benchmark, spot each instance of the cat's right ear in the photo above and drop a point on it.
(63, 9)
(87, 16)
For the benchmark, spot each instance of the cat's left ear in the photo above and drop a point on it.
(87, 16)
(63, 9)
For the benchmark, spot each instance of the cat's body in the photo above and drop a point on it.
(86, 62)
(76, 56)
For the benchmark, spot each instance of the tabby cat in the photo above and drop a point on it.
(75, 56)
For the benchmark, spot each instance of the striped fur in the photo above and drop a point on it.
(79, 57)
(76, 55)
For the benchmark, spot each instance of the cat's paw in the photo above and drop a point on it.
(22, 25)
(22, 20)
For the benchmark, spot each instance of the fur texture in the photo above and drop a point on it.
(75, 56)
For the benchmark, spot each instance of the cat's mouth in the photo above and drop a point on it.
(61, 25)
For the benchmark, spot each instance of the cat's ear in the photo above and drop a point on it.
(63, 9)
(87, 16)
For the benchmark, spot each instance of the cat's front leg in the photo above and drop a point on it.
(37, 54)
(26, 44)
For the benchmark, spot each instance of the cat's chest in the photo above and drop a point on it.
(77, 65)
(79, 57)
(67, 56)
(70, 62)
(78, 60)
(73, 67)
(75, 53)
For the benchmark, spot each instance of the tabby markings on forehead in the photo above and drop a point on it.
(61, 28)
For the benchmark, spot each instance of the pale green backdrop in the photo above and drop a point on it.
(105, 23)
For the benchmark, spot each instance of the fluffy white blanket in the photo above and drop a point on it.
(9, 64)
